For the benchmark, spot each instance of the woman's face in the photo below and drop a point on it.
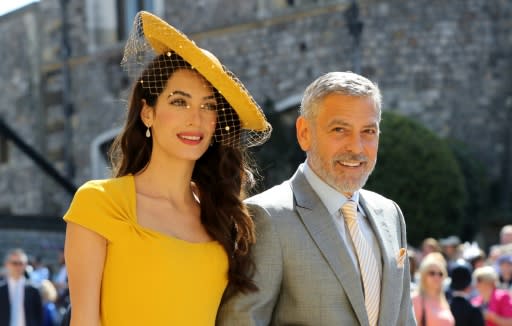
(484, 286)
(434, 278)
(184, 117)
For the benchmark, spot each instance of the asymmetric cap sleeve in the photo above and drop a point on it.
(101, 206)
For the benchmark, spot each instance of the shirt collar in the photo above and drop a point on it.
(13, 282)
(330, 197)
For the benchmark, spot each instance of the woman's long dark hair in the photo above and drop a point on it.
(221, 174)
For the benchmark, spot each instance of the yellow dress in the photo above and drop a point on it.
(149, 279)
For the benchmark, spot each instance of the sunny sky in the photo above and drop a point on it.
(10, 5)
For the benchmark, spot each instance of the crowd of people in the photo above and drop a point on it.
(32, 293)
(454, 283)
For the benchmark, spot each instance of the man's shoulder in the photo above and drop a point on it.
(458, 302)
(274, 196)
(377, 200)
(373, 196)
(274, 202)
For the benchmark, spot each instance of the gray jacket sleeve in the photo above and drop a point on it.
(256, 308)
(406, 316)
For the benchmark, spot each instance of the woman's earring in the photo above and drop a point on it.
(148, 133)
(212, 141)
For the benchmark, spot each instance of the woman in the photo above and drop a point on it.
(158, 243)
(496, 304)
(49, 296)
(429, 301)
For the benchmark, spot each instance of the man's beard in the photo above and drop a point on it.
(343, 181)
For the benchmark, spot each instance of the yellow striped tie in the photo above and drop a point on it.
(370, 272)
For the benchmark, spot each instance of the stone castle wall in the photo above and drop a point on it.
(444, 63)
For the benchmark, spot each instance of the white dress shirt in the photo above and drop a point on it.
(16, 299)
(333, 201)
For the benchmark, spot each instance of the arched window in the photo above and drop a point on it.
(100, 166)
(281, 155)
(126, 11)
(4, 150)
(110, 21)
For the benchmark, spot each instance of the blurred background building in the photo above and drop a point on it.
(444, 64)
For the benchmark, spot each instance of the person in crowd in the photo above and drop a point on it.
(20, 302)
(450, 249)
(504, 264)
(496, 304)
(463, 311)
(329, 252)
(60, 278)
(475, 256)
(413, 266)
(506, 235)
(427, 246)
(158, 243)
(430, 305)
(51, 316)
(39, 271)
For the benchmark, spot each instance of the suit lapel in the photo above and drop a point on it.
(381, 229)
(324, 233)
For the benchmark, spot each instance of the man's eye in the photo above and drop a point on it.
(338, 129)
(371, 131)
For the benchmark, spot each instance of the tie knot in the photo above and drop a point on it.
(349, 210)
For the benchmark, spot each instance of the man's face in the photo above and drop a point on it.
(341, 141)
(15, 266)
(506, 269)
(506, 237)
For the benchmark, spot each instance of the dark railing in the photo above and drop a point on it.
(39, 221)
(37, 158)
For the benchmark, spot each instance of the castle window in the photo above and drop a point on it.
(4, 150)
(100, 165)
(126, 11)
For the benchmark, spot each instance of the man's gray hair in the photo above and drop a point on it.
(344, 83)
(18, 252)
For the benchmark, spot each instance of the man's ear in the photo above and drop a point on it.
(303, 129)
(146, 114)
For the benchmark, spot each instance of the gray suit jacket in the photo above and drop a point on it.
(304, 271)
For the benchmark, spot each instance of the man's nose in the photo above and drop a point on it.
(354, 143)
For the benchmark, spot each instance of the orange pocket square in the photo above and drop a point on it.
(400, 258)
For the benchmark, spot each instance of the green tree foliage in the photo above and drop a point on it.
(418, 170)
(478, 189)
(279, 157)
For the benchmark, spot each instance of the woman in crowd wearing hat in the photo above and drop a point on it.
(429, 301)
(504, 264)
(161, 242)
(496, 304)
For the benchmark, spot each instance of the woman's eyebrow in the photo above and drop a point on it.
(178, 92)
(185, 94)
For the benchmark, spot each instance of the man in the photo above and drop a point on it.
(463, 311)
(450, 249)
(20, 302)
(319, 261)
(506, 235)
